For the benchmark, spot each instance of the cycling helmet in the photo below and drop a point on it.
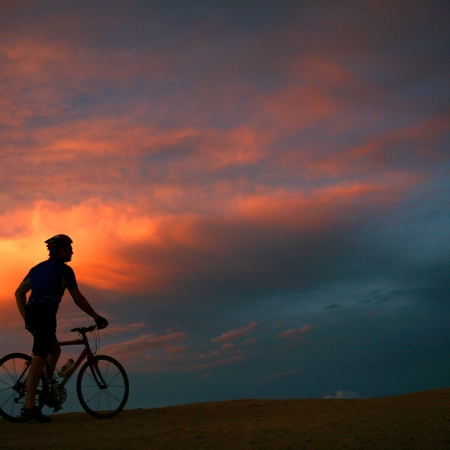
(58, 240)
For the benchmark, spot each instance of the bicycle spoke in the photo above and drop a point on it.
(99, 396)
(107, 399)
(13, 376)
(7, 400)
(112, 379)
(91, 375)
(91, 385)
(110, 394)
(105, 373)
(8, 386)
(93, 396)
(103, 388)
(12, 405)
(99, 400)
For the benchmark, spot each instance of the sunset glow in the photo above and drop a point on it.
(251, 188)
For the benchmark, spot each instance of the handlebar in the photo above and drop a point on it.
(84, 330)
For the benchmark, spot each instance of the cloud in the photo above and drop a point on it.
(250, 341)
(232, 335)
(346, 395)
(289, 334)
(227, 346)
(332, 306)
(217, 363)
(147, 342)
(275, 376)
(212, 354)
(147, 249)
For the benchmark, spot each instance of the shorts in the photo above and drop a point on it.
(40, 321)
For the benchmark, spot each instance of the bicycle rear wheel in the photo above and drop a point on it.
(102, 389)
(13, 385)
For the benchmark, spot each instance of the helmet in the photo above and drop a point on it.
(58, 240)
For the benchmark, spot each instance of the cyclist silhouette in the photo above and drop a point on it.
(47, 282)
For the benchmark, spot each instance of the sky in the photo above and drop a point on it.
(258, 192)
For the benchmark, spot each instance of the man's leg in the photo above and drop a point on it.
(42, 325)
(34, 375)
(30, 410)
(52, 360)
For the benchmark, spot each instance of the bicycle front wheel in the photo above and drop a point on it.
(103, 387)
(13, 385)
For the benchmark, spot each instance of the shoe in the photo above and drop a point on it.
(33, 413)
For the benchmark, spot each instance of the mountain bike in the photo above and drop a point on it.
(102, 383)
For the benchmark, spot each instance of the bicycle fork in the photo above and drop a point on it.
(98, 377)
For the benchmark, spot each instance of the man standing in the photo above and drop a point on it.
(47, 282)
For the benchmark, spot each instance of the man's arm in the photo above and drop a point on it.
(21, 296)
(82, 303)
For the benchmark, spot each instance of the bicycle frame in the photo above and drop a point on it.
(86, 353)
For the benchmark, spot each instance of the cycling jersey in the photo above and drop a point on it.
(48, 281)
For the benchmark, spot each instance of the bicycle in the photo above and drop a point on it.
(102, 383)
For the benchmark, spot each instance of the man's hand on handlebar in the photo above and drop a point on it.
(101, 322)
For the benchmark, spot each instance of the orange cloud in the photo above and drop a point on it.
(94, 243)
(43, 60)
(316, 209)
(145, 343)
(294, 109)
(239, 146)
(289, 334)
(227, 346)
(104, 231)
(232, 335)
